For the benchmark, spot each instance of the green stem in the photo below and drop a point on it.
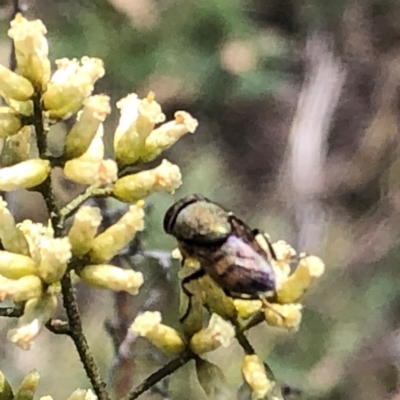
(70, 208)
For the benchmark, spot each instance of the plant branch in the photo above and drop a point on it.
(41, 141)
(163, 372)
(73, 327)
(79, 339)
(58, 327)
(71, 207)
(244, 342)
(11, 312)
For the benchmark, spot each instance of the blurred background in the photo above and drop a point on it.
(298, 106)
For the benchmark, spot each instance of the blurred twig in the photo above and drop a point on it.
(308, 138)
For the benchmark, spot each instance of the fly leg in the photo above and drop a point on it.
(186, 280)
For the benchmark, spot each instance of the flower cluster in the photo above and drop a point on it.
(27, 389)
(35, 258)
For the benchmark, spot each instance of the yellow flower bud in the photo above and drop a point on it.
(14, 86)
(11, 237)
(36, 313)
(213, 381)
(84, 229)
(14, 266)
(95, 151)
(253, 371)
(91, 172)
(24, 175)
(46, 398)
(247, 308)
(164, 178)
(111, 277)
(25, 288)
(55, 254)
(309, 269)
(6, 392)
(167, 134)
(95, 110)
(286, 316)
(20, 107)
(16, 147)
(162, 336)
(27, 389)
(70, 85)
(33, 233)
(80, 394)
(137, 120)
(219, 332)
(117, 236)
(10, 124)
(31, 50)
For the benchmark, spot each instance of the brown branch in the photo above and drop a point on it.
(79, 339)
(244, 342)
(58, 327)
(11, 312)
(160, 374)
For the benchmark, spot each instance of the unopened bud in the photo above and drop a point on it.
(34, 233)
(91, 172)
(117, 236)
(83, 230)
(20, 107)
(16, 148)
(308, 269)
(287, 316)
(111, 277)
(6, 392)
(25, 288)
(70, 85)
(24, 175)
(27, 389)
(166, 135)
(247, 308)
(253, 371)
(12, 239)
(81, 394)
(137, 120)
(14, 86)
(55, 254)
(95, 110)
(14, 266)
(36, 313)
(31, 50)
(162, 336)
(164, 178)
(219, 332)
(10, 123)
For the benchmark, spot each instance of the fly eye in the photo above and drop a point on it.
(196, 219)
(173, 212)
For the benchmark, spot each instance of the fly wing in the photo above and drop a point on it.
(245, 268)
(248, 235)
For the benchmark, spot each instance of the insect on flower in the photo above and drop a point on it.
(224, 245)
